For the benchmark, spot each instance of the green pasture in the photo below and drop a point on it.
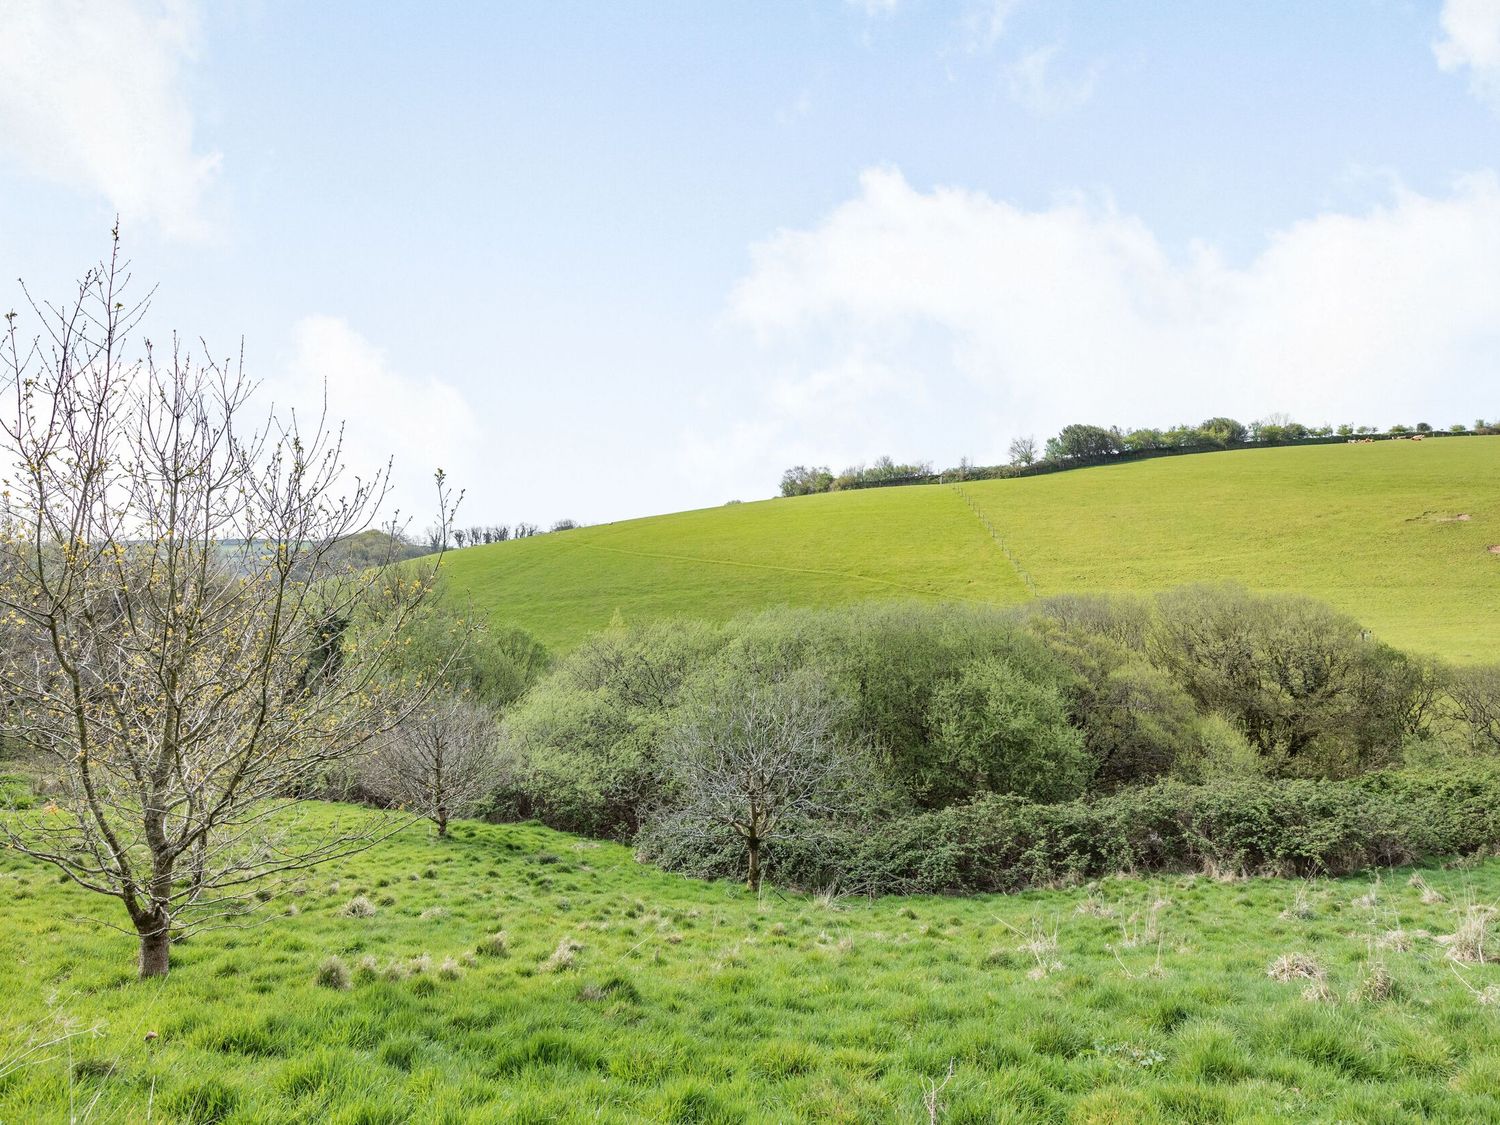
(619, 993)
(1395, 533)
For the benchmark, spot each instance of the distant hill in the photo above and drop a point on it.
(368, 548)
(1398, 534)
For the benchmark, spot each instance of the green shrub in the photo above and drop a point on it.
(998, 731)
(15, 792)
(1310, 690)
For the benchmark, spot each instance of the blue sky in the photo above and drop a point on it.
(602, 260)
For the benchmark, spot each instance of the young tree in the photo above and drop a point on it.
(1023, 450)
(174, 579)
(756, 759)
(439, 761)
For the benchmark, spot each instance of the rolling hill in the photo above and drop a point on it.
(1398, 534)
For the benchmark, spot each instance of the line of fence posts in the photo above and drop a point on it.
(1021, 571)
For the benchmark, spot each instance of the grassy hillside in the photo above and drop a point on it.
(624, 994)
(1373, 529)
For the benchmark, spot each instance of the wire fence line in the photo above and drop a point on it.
(1021, 571)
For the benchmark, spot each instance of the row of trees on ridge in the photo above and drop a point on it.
(1084, 444)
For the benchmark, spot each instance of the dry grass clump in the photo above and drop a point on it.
(1040, 943)
(1095, 907)
(449, 969)
(1486, 997)
(333, 973)
(563, 956)
(358, 907)
(1430, 897)
(1137, 931)
(1040, 940)
(1301, 908)
(1295, 966)
(1370, 900)
(367, 969)
(1376, 986)
(1318, 992)
(1472, 941)
(433, 913)
(829, 899)
(1397, 940)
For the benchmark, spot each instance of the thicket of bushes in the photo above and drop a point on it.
(969, 748)
(1234, 825)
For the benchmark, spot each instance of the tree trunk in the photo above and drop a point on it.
(752, 880)
(156, 948)
(442, 823)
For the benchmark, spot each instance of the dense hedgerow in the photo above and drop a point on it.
(1246, 826)
(994, 750)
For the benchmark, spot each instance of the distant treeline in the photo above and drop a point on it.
(1081, 445)
(438, 539)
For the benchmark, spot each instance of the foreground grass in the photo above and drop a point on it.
(1372, 529)
(623, 994)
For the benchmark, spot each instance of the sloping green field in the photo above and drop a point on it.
(623, 994)
(1394, 533)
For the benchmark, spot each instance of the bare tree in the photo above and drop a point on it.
(439, 762)
(185, 692)
(1023, 451)
(1475, 696)
(756, 761)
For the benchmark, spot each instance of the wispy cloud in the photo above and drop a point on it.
(984, 24)
(92, 96)
(1036, 84)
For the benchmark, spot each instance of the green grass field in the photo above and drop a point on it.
(685, 1001)
(1372, 529)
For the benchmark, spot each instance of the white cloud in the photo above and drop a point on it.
(1035, 84)
(1026, 320)
(1471, 41)
(422, 422)
(92, 96)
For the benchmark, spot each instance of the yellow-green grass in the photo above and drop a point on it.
(825, 550)
(1373, 529)
(690, 1001)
